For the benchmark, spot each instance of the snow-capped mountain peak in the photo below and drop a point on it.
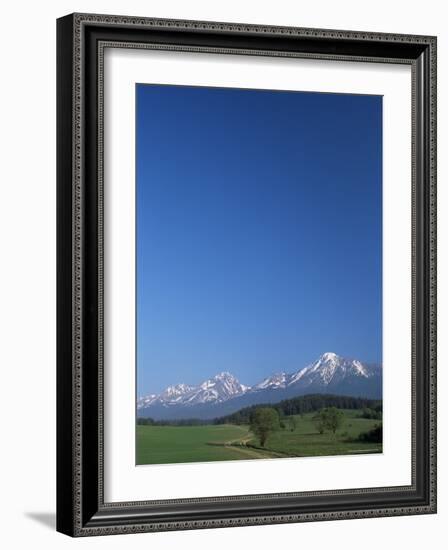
(219, 388)
(146, 400)
(330, 373)
(327, 365)
(277, 380)
(330, 356)
(330, 368)
(224, 375)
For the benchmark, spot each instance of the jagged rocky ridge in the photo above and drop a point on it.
(224, 394)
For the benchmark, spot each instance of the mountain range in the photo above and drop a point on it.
(224, 394)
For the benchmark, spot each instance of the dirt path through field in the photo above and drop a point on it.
(241, 445)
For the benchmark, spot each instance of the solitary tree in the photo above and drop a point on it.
(329, 418)
(334, 418)
(263, 422)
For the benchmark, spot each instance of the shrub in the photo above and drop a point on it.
(375, 435)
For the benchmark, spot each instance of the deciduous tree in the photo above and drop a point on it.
(263, 422)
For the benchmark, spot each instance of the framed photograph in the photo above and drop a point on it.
(246, 274)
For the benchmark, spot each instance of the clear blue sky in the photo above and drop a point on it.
(258, 231)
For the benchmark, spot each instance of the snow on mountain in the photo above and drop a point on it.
(175, 394)
(278, 380)
(330, 368)
(330, 373)
(221, 387)
(145, 401)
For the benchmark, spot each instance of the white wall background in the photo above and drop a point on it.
(27, 274)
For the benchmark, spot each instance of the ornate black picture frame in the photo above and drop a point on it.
(81, 508)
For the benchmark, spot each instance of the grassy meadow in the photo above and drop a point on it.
(205, 443)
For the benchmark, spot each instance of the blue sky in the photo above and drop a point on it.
(258, 231)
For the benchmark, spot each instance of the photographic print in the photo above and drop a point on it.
(246, 274)
(258, 274)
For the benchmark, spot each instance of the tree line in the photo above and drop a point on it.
(369, 408)
(180, 422)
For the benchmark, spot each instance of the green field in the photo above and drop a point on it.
(171, 444)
